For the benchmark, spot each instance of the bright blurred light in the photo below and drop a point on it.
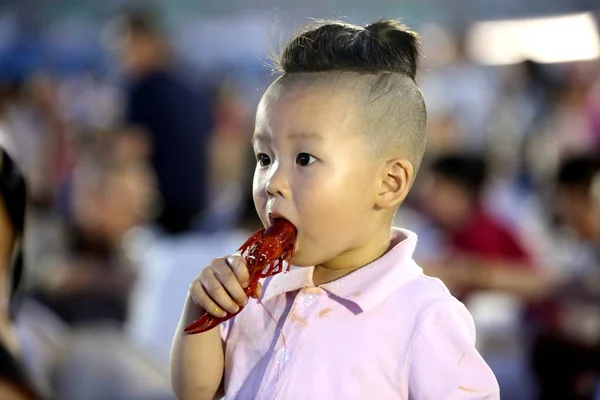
(545, 40)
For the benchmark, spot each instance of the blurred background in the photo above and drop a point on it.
(132, 122)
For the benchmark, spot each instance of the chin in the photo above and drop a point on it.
(303, 260)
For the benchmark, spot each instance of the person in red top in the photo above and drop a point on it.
(482, 252)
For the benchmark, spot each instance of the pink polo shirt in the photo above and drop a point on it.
(385, 331)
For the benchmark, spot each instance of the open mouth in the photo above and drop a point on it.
(274, 216)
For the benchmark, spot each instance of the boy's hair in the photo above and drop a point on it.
(384, 56)
(467, 170)
(578, 171)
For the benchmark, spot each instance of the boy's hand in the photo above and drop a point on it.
(220, 287)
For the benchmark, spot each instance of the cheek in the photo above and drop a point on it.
(258, 191)
(330, 197)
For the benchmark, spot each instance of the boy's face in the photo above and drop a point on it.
(315, 169)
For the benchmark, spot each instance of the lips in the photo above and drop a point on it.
(273, 216)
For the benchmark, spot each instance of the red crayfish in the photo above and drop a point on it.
(265, 253)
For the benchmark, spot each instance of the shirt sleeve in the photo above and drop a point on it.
(225, 328)
(444, 363)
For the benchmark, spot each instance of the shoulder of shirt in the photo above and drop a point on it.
(427, 295)
(429, 287)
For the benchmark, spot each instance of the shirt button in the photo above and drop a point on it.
(308, 300)
(281, 356)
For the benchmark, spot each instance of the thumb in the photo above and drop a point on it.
(258, 292)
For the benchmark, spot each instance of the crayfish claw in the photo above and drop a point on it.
(204, 323)
(207, 321)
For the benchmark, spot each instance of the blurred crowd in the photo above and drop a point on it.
(136, 184)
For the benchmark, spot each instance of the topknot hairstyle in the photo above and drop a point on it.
(385, 46)
(385, 56)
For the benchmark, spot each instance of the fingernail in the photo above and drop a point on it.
(237, 308)
(245, 284)
(233, 260)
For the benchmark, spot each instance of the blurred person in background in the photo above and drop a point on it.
(176, 109)
(481, 251)
(112, 192)
(15, 384)
(566, 348)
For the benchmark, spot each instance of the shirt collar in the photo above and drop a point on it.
(368, 286)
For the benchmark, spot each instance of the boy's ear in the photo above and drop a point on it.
(396, 178)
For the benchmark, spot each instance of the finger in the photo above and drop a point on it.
(230, 281)
(258, 292)
(217, 292)
(239, 268)
(202, 299)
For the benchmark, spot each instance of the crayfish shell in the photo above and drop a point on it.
(266, 253)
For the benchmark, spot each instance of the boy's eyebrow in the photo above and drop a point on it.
(260, 137)
(304, 135)
(263, 137)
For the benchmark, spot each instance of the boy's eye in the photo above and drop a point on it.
(305, 159)
(263, 159)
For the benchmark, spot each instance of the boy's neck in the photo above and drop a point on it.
(353, 259)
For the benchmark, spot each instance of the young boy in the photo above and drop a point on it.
(339, 137)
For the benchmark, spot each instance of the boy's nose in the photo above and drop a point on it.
(277, 185)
